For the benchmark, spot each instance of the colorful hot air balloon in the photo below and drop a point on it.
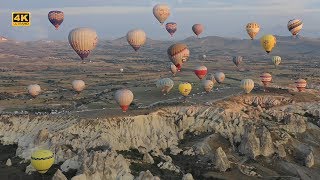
(276, 60)
(268, 42)
(173, 69)
(219, 76)
(166, 84)
(178, 54)
(124, 98)
(266, 79)
(56, 18)
(185, 88)
(34, 90)
(211, 78)
(247, 85)
(301, 84)
(237, 60)
(201, 71)
(171, 27)
(83, 41)
(136, 38)
(252, 29)
(197, 29)
(78, 85)
(207, 85)
(42, 160)
(161, 12)
(295, 26)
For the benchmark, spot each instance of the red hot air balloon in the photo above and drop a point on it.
(56, 18)
(197, 29)
(301, 85)
(201, 71)
(171, 27)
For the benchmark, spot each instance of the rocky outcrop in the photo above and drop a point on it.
(187, 176)
(147, 158)
(146, 175)
(8, 162)
(309, 160)
(221, 161)
(59, 176)
(250, 144)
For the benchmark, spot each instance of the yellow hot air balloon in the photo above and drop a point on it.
(34, 90)
(268, 42)
(78, 85)
(83, 41)
(178, 54)
(247, 85)
(166, 84)
(185, 89)
(42, 160)
(276, 60)
(253, 29)
(124, 98)
(161, 12)
(136, 38)
(207, 85)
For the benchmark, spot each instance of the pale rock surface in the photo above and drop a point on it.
(187, 176)
(30, 169)
(309, 160)
(8, 162)
(147, 158)
(146, 175)
(221, 161)
(250, 144)
(266, 143)
(59, 176)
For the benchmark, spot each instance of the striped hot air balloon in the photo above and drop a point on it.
(201, 71)
(83, 41)
(34, 90)
(171, 27)
(301, 85)
(161, 12)
(124, 98)
(237, 60)
(295, 26)
(207, 85)
(276, 60)
(266, 79)
(178, 54)
(136, 38)
(247, 85)
(166, 84)
(56, 18)
(197, 29)
(252, 29)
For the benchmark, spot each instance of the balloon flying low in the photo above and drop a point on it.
(78, 85)
(166, 84)
(219, 77)
(42, 160)
(207, 85)
(124, 98)
(178, 54)
(266, 79)
(276, 60)
(247, 85)
(185, 88)
(268, 42)
(34, 90)
(237, 60)
(301, 85)
(201, 72)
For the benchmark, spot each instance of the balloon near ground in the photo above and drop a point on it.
(34, 90)
(211, 78)
(171, 27)
(301, 85)
(56, 18)
(124, 98)
(201, 72)
(42, 160)
(237, 60)
(166, 84)
(219, 77)
(78, 85)
(185, 88)
(266, 79)
(136, 38)
(207, 85)
(276, 60)
(178, 54)
(161, 12)
(295, 26)
(173, 69)
(197, 29)
(253, 29)
(247, 85)
(83, 41)
(268, 42)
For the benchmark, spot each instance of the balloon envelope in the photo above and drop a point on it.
(266, 78)
(247, 85)
(166, 84)
(295, 26)
(34, 90)
(124, 98)
(171, 27)
(185, 88)
(201, 71)
(219, 76)
(253, 29)
(42, 160)
(178, 54)
(197, 29)
(56, 18)
(207, 85)
(161, 12)
(237, 60)
(276, 60)
(301, 84)
(136, 38)
(268, 42)
(173, 69)
(78, 85)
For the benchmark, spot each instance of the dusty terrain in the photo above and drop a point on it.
(220, 135)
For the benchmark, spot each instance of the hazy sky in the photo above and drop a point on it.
(114, 18)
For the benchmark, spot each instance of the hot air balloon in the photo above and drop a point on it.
(211, 78)
(121, 70)
(201, 71)
(83, 41)
(178, 54)
(171, 27)
(266, 79)
(197, 29)
(166, 84)
(237, 60)
(78, 85)
(252, 29)
(204, 57)
(161, 12)
(136, 38)
(295, 26)
(276, 60)
(301, 84)
(247, 85)
(219, 76)
(124, 98)
(173, 69)
(185, 89)
(207, 85)
(42, 160)
(34, 90)
(268, 42)
(56, 18)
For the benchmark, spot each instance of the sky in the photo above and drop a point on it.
(114, 18)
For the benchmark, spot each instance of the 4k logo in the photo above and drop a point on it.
(21, 19)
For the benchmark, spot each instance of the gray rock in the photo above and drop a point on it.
(250, 144)
(266, 144)
(187, 176)
(221, 161)
(147, 158)
(9, 163)
(309, 161)
(59, 176)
